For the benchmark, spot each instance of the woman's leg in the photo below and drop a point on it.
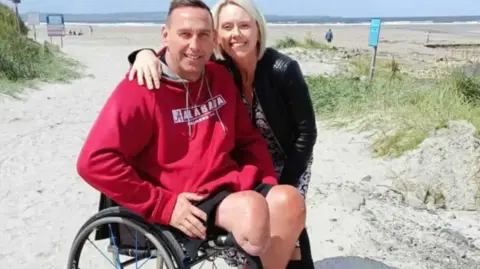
(302, 255)
(305, 251)
(285, 225)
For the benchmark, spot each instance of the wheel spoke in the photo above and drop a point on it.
(101, 252)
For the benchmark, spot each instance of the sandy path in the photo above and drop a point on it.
(43, 202)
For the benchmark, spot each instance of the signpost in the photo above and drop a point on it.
(56, 26)
(373, 39)
(16, 2)
(34, 20)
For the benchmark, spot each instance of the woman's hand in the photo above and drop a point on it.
(146, 66)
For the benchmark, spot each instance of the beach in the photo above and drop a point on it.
(403, 42)
(352, 209)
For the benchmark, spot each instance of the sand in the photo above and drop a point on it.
(357, 218)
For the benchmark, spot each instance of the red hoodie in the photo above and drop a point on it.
(146, 147)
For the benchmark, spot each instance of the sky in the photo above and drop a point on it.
(342, 8)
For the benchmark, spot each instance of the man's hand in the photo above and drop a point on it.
(187, 218)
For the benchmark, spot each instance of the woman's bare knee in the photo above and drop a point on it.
(246, 215)
(287, 217)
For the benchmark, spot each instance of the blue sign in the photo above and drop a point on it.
(374, 32)
(55, 19)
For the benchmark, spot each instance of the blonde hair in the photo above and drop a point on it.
(254, 12)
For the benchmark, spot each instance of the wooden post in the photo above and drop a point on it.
(16, 2)
(34, 33)
(372, 63)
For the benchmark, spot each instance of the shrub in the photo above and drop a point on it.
(23, 60)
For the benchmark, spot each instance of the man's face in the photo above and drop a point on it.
(189, 38)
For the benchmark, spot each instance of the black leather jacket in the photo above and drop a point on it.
(285, 99)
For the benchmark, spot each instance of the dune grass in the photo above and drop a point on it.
(308, 43)
(24, 62)
(404, 110)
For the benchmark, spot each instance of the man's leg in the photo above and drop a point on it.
(266, 227)
(246, 215)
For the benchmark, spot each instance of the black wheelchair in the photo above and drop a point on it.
(128, 239)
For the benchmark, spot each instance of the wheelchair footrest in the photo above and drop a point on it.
(222, 241)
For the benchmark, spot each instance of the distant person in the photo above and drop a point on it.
(286, 121)
(329, 36)
(427, 37)
(91, 30)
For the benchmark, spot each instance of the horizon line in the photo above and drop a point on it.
(324, 16)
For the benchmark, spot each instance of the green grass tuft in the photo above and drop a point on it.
(24, 62)
(402, 109)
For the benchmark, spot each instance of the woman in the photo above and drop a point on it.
(287, 120)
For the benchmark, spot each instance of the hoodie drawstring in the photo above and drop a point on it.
(187, 104)
(216, 110)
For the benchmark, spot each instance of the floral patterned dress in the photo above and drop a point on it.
(231, 256)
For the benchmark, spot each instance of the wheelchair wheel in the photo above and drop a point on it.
(117, 238)
(135, 245)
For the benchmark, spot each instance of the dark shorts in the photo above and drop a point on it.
(210, 205)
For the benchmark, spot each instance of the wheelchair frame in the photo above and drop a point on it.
(162, 237)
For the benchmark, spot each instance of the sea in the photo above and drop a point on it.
(158, 18)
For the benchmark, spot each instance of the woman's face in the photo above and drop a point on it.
(237, 32)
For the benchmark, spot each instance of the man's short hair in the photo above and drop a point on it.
(187, 3)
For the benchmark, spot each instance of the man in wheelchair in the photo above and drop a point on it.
(187, 155)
